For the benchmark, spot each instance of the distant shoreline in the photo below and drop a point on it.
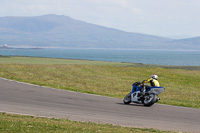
(135, 64)
(11, 48)
(14, 47)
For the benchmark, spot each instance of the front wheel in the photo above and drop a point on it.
(127, 98)
(149, 100)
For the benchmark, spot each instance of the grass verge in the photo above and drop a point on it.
(20, 124)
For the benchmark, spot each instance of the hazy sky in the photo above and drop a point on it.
(155, 17)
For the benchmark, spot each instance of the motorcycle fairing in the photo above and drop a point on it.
(135, 89)
(156, 90)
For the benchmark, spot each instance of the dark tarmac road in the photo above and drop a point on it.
(21, 98)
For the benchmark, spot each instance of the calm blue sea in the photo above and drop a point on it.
(180, 58)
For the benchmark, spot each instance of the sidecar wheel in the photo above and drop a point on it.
(127, 99)
(149, 100)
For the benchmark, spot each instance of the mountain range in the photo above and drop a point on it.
(62, 31)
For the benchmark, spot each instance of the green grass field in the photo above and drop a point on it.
(104, 78)
(29, 124)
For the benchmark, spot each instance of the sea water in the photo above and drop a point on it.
(158, 57)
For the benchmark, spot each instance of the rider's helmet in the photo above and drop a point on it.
(154, 76)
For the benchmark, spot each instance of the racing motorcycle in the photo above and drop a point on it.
(149, 97)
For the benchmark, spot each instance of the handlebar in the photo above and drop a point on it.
(136, 83)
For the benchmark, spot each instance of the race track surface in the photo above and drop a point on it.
(21, 98)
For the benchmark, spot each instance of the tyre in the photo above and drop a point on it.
(127, 99)
(149, 100)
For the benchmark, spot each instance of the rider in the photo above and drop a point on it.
(153, 81)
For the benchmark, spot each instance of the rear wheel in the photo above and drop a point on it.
(127, 98)
(149, 100)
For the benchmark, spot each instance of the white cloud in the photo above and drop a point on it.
(122, 3)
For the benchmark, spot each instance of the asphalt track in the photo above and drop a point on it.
(21, 98)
